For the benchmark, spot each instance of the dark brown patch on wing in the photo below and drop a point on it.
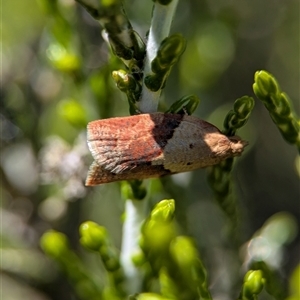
(164, 130)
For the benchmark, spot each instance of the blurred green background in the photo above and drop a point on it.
(56, 77)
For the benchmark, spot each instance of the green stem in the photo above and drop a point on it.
(135, 215)
(136, 210)
(159, 30)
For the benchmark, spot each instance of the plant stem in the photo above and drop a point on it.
(160, 27)
(135, 215)
(136, 210)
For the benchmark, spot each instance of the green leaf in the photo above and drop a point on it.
(185, 105)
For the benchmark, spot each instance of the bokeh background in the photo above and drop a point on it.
(56, 76)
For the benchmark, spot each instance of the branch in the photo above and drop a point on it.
(159, 30)
(135, 215)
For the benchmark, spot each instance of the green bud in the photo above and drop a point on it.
(111, 16)
(185, 105)
(183, 251)
(258, 92)
(253, 283)
(290, 131)
(73, 112)
(288, 127)
(157, 235)
(112, 264)
(228, 120)
(238, 117)
(124, 80)
(95, 238)
(54, 244)
(92, 236)
(163, 211)
(109, 257)
(155, 82)
(284, 107)
(168, 53)
(243, 106)
(237, 122)
(139, 46)
(119, 49)
(233, 122)
(186, 257)
(129, 85)
(168, 286)
(138, 258)
(266, 84)
(279, 119)
(278, 104)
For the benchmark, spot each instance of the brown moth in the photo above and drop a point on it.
(153, 145)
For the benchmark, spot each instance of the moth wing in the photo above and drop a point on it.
(152, 145)
(98, 175)
(198, 144)
(122, 144)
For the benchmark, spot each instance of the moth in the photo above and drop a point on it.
(153, 145)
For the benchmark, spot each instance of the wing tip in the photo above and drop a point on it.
(94, 175)
(98, 175)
